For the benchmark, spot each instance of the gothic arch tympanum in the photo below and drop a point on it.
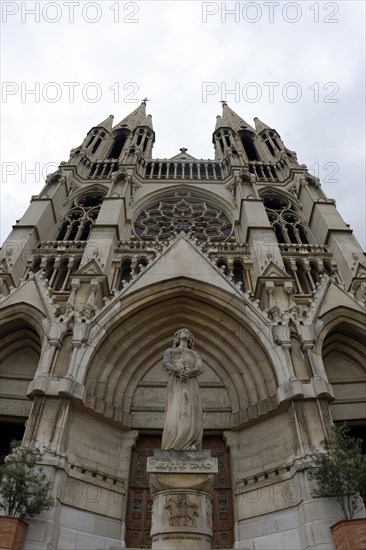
(125, 376)
(125, 379)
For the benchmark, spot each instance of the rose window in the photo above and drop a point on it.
(182, 212)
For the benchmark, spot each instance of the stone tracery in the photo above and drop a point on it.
(285, 219)
(80, 217)
(183, 212)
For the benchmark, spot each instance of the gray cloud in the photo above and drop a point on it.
(167, 55)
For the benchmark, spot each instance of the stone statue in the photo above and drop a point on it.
(183, 425)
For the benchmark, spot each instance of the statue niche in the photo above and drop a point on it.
(183, 426)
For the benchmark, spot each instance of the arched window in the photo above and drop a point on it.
(120, 138)
(50, 267)
(249, 146)
(327, 267)
(272, 141)
(75, 266)
(270, 147)
(90, 140)
(222, 265)
(139, 137)
(85, 230)
(62, 272)
(218, 135)
(125, 272)
(314, 272)
(36, 265)
(286, 220)
(141, 264)
(81, 215)
(275, 140)
(96, 145)
(238, 273)
(74, 229)
(279, 233)
(288, 268)
(303, 281)
(63, 230)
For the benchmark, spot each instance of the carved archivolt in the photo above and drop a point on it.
(125, 370)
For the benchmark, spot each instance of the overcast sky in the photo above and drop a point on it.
(298, 66)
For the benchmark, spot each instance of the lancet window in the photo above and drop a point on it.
(249, 146)
(58, 271)
(183, 212)
(36, 265)
(120, 138)
(272, 142)
(238, 273)
(234, 270)
(95, 139)
(307, 274)
(224, 139)
(130, 267)
(66, 268)
(80, 218)
(125, 272)
(286, 221)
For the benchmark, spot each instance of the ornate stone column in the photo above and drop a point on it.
(181, 485)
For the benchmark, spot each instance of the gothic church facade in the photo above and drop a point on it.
(117, 252)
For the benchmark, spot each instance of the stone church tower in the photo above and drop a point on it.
(117, 252)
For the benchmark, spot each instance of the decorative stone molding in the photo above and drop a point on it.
(181, 484)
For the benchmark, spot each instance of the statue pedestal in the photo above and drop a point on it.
(181, 485)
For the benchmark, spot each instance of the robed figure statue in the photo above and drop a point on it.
(183, 426)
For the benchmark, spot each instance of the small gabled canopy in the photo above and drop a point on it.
(90, 268)
(230, 119)
(183, 156)
(181, 259)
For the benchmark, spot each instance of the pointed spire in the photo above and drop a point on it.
(147, 122)
(259, 125)
(106, 124)
(218, 123)
(232, 120)
(133, 119)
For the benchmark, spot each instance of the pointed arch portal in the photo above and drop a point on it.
(125, 379)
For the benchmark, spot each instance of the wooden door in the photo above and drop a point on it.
(222, 509)
(140, 504)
